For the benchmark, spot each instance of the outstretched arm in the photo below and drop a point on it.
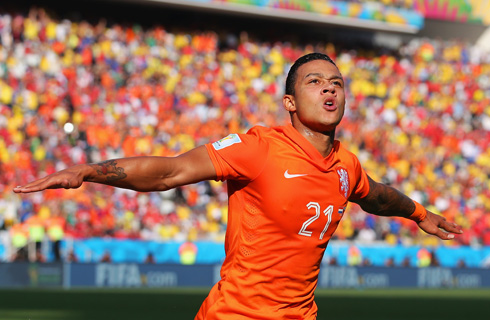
(383, 200)
(137, 173)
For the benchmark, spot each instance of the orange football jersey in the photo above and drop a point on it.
(285, 202)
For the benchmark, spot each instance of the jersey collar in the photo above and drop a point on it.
(309, 149)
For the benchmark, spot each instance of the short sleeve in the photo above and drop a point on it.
(238, 156)
(361, 184)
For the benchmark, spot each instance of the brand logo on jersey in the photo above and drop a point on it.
(344, 181)
(226, 141)
(288, 175)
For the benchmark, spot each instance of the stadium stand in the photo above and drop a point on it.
(75, 90)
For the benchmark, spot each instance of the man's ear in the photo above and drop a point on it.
(289, 103)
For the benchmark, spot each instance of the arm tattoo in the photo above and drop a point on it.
(384, 200)
(110, 170)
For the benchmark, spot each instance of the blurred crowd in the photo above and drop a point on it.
(74, 92)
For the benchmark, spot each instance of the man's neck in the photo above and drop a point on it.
(322, 141)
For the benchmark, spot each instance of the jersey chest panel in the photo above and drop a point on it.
(298, 199)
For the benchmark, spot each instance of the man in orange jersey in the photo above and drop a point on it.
(288, 188)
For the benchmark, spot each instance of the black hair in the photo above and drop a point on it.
(293, 72)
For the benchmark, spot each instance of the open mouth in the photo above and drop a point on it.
(330, 104)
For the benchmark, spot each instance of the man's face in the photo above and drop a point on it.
(319, 99)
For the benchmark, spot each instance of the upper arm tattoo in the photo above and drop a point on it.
(110, 170)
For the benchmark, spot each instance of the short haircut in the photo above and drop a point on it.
(293, 72)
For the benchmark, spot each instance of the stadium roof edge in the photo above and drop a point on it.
(288, 14)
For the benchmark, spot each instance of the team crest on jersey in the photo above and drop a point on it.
(344, 181)
(227, 141)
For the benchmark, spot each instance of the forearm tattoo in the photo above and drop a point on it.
(110, 170)
(384, 200)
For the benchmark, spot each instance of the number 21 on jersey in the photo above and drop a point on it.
(316, 207)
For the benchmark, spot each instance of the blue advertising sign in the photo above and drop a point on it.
(132, 275)
(382, 277)
(453, 278)
(19, 274)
